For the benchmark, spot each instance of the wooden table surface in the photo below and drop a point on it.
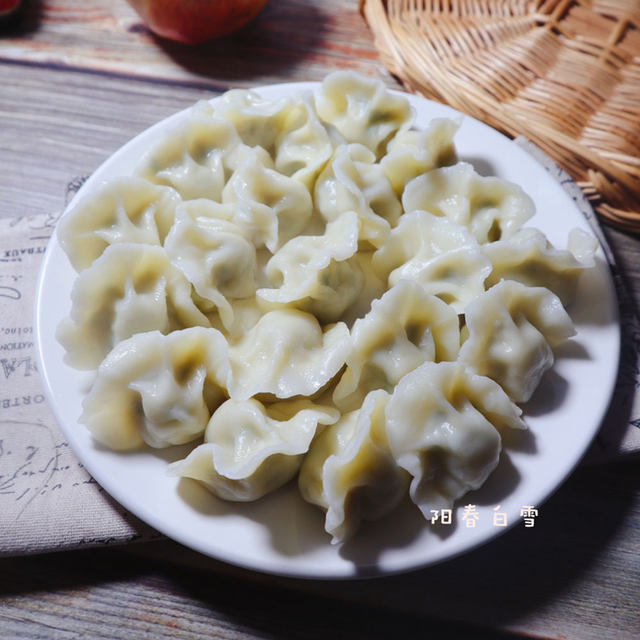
(78, 78)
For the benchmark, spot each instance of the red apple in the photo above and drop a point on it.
(194, 21)
(8, 6)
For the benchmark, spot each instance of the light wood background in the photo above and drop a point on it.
(78, 78)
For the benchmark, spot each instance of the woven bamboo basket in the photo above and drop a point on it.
(563, 73)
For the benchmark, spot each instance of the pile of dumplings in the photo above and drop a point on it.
(310, 287)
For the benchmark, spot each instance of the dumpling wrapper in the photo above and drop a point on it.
(304, 146)
(528, 257)
(195, 158)
(362, 109)
(316, 273)
(404, 328)
(122, 210)
(270, 207)
(350, 472)
(213, 254)
(129, 289)
(156, 389)
(414, 152)
(437, 253)
(250, 450)
(491, 208)
(512, 329)
(443, 426)
(259, 121)
(286, 354)
(352, 181)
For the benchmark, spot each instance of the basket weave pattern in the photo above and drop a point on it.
(563, 73)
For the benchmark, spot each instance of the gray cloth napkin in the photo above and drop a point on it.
(48, 501)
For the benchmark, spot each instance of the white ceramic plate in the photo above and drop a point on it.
(280, 533)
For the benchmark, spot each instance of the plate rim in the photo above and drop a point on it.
(351, 572)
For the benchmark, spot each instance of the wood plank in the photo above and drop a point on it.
(51, 134)
(79, 78)
(56, 598)
(289, 40)
(575, 575)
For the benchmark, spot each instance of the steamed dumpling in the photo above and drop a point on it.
(317, 273)
(529, 258)
(157, 389)
(121, 210)
(439, 254)
(194, 159)
(214, 256)
(350, 472)
(511, 331)
(362, 109)
(404, 328)
(251, 449)
(270, 207)
(129, 289)
(443, 426)
(491, 208)
(412, 153)
(352, 181)
(286, 354)
(303, 146)
(259, 121)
